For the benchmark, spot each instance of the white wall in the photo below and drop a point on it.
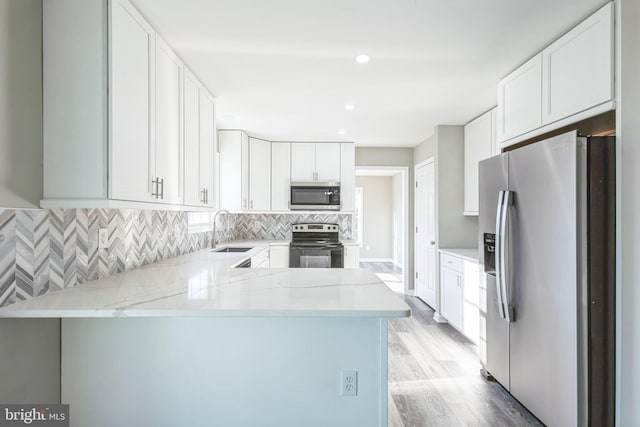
(397, 219)
(628, 271)
(20, 103)
(377, 215)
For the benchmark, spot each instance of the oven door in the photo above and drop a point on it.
(315, 196)
(330, 256)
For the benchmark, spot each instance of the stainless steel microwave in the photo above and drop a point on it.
(315, 195)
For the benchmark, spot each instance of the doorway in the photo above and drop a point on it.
(381, 223)
(425, 239)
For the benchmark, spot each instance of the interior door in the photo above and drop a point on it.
(425, 243)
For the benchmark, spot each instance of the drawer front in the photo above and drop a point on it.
(451, 262)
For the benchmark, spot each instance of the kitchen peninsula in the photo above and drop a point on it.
(194, 341)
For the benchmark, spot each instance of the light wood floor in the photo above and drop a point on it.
(434, 378)
(389, 273)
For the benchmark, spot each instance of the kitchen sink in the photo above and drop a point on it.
(228, 250)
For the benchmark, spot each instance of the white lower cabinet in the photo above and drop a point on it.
(261, 259)
(351, 256)
(462, 296)
(279, 256)
(451, 282)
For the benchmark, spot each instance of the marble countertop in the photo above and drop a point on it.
(205, 283)
(468, 254)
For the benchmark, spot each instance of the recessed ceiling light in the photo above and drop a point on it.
(363, 58)
(342, 132)
(349, 107)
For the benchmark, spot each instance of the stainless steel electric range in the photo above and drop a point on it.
(316, 246)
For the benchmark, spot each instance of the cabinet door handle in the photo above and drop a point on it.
(154, 193)
(161, 186)
(206, 196)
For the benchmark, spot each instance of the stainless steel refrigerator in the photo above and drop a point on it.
(547, 239)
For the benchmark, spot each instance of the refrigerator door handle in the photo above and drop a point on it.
(498, 253)
(504, 286)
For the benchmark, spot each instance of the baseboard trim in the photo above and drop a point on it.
(438, 318)
(376, 260)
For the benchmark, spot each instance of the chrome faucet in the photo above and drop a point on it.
(215, 216)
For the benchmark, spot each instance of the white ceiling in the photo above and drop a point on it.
(284, 69)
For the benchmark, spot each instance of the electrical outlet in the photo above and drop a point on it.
(349, 383)
(103, 238)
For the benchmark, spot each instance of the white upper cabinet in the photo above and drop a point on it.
(199, 143)
(114, 120)
(328, 162)
(520, 100)
(132, 58)
(259, 175)
(478, 144)
(348, 176)
(578, 68)
(207, 149)
(280, 175)
(167, 153)
(192, 193)
(569, 81)
(233, 146)
(315, 162)
(303, 162)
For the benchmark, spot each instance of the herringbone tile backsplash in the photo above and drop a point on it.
(278, 226)
(46, 250)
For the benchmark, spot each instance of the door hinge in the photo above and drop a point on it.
(416, 229)
(416, 184)
(416, 274)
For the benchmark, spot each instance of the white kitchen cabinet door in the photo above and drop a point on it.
(578, 68)
(351, 256)
(495, 148)
(168, 135)
(280, 175)
(207, 148)
(348, 177)
(477, 147)
(452, 294)
(328, 162)
(303, 162)
(132, 118)
(471, 322)
(520, 100)
(259, 175)
(234, 163)
(192, 192)
(279, 256)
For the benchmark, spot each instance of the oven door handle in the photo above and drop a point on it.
(317, 248)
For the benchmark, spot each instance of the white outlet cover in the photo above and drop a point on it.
(103, 238)
(349, 383)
